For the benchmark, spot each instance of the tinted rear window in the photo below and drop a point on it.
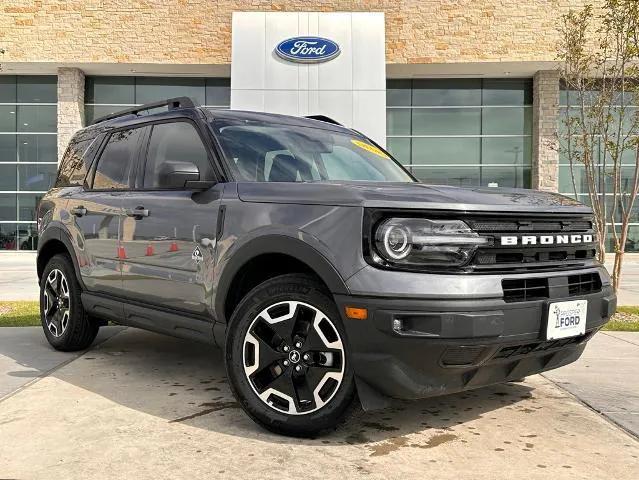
(114, 165)
(73, 167)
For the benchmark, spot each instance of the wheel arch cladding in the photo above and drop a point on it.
(55, 241)
(286, 255)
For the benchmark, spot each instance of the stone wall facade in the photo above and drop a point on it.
(70, 105)
(545, 151)
(199, 31)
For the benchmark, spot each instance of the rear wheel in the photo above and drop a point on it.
(66, 325)
(287, 358)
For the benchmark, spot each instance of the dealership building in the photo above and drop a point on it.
(463, 93)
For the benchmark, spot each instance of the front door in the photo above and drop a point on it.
(168, 233)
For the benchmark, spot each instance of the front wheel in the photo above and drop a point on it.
(66, 325)
(287, 358)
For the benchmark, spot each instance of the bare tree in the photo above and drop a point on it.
(599, 53)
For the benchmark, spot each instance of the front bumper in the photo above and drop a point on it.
(446, 346)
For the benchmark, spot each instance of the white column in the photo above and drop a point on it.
(545, 151)
(70, 105)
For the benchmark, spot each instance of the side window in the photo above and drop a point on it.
(114, 165)
(73, 167)
(174, 142)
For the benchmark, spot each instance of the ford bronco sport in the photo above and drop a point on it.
(319, 264)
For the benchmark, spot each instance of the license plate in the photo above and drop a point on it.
(566, 319)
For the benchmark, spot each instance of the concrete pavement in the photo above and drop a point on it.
(26, 356)
(141, 405)
(606, 377)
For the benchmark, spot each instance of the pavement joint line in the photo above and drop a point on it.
(56, 368)
(600, 413)
(619, 338)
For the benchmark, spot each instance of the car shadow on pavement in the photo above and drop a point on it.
(185, 384)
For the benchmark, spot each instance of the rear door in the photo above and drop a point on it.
(97, 211)
(168, 234)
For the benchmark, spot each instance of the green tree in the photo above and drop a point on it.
(599, 54)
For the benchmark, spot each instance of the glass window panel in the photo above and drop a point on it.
(8, 148)
(116, 159)
(37, 118)
(634, 215)
(454, 176)
(37, 177)
(626, 180)
(37, 89)
(7, 88)
(446, 121)
(507, 92)
(632, 243)
(398, 93)
(218, 92)
(8, 179)
(581, 181)
(27, 206)
(506, 121)
(8, 118)
(398, 121)
(512, 150)
(446, 92)
(8, 234)
(27, 236)
(73, 167)
(37, 148)
(8, 205)
(509, 177)
(400, 149)
(439, 151)
(151, 89)
(118, 90)
(91, 112)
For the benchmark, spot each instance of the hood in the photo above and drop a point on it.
(409, 195)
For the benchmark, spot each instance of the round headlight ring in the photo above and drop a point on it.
(397, 243)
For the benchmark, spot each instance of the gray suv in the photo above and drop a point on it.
(324, 270)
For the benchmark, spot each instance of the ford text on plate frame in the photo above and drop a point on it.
(307, 49)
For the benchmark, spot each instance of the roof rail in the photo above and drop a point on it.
(324, 118)
(172, 103)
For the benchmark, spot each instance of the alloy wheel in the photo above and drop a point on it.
(57, 307)
(293, 357)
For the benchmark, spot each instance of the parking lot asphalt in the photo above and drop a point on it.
(141, 405)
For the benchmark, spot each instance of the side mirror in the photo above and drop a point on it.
(178, 174)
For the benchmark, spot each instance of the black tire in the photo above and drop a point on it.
(286, 288)
(79, 331)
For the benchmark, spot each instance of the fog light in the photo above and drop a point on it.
(397, 325)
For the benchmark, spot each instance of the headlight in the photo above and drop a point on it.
(422, 243)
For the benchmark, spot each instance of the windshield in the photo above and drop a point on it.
(261, 152)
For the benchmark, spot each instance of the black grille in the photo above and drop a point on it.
(503, 258)
(528, 289)
(463, 355)
(525, 289)
(526, 348)
(584, 284)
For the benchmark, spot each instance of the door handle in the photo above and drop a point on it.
(79, 211)
(137, 213)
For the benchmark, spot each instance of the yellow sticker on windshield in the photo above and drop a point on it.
(370, 148)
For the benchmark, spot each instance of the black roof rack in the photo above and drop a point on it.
(172, 103)
(324, 118)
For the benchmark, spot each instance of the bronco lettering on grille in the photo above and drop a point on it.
(510, 240)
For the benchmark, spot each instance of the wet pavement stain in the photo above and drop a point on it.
(215, 406)
(389, 446)
(438, 440)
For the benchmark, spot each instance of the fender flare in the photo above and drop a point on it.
(58, 233)
(277, 244)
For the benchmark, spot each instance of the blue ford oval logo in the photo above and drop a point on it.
(307, 49)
